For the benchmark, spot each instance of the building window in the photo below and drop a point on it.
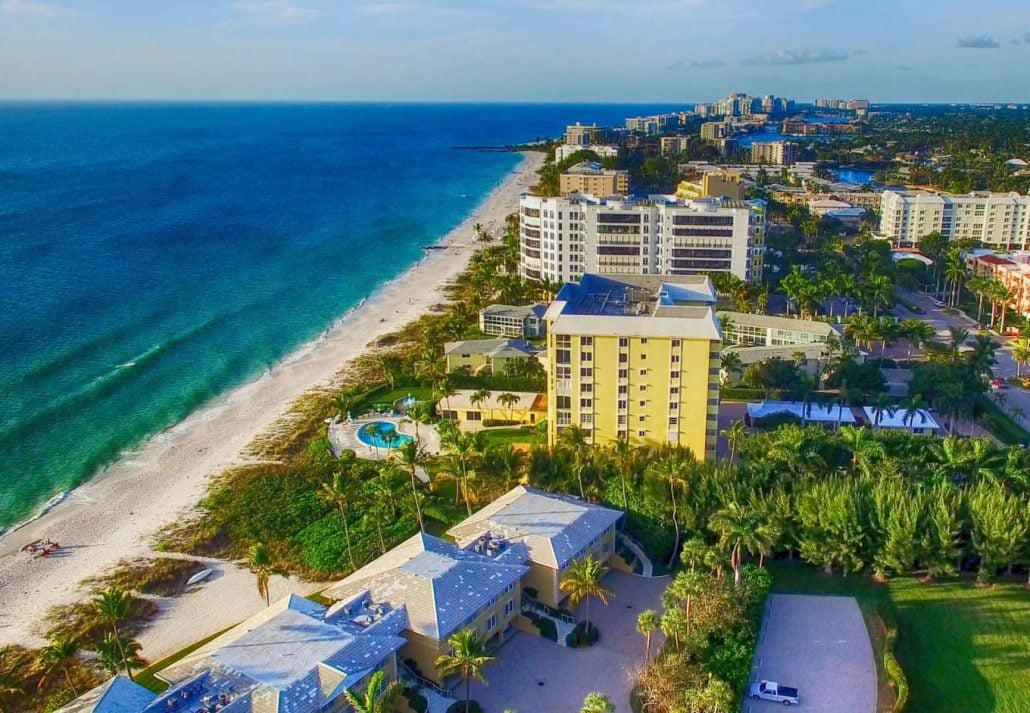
(675, 358)
(643, 357)
(623, 389)
(586, 403)
(642, 434)
(509, 607)
(623, 358)
(491, 623)
(623, 405)
(586, 373)
(586, 341)
(643, 340)
(641, 419)
(586, 356)
(675, 343)
(642, 403)
(674, 375)
(623, 373)
(564, 402)
(586, 388)
(673, 420)
(623, 342)
(643, 372)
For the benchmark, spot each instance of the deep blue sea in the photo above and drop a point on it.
(153, 256)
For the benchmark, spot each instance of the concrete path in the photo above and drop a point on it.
(535, 674)
(820, 646)
(645, 561)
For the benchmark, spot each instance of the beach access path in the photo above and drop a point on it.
(116, 515)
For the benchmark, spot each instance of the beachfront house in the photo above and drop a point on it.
(509, 407)
(444, 589)
(918, 422)
(487, 356)
(296, 656)
(514, 321)
(555, 529)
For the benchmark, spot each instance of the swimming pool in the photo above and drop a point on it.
(379, 440)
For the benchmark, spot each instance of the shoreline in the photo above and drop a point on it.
(115, 514)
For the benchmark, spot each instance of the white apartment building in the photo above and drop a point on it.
(565, 150)
(996, 220)
(775, 153)
(563, 238)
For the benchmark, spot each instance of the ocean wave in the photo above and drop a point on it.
(43, 510)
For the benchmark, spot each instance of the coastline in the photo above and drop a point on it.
(115, 515)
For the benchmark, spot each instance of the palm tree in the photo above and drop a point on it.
(1021, 355)
(479, 396)
(879, 290)
(738, 529)
(916, 332)
(444, 391)
(958, 336)
(647, 623)
(734, 435)
(597, 703)
(338, 493)
(378, 696)
(411, 456)
(670, 471)
(731, 364)
(468, 659)
(510, 400)
(113, 655)
(582, 580)
(259, 559)
(374, 432)
(954, 273)
(113, 606)
(865, 449)
(882, 403)
(624, 456)
(14, 663)
(58, 655)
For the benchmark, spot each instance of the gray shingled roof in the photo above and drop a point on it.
(118, 695)
(441, 585)
(492, 347)
(555, 528)
(517, 311)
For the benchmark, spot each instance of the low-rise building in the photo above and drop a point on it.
(515, 321)
(593, 179)
(296, 655)
(557, 530)
(713, 184)
(635, 358)
(746, 329)
(494, 356)
(603, 151)
(1010, 269)
(821, 414)
(919, 422)
(444, 589)
(471, 408)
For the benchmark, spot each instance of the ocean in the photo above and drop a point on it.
(154, 256)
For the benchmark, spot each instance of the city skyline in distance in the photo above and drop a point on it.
(660, 51)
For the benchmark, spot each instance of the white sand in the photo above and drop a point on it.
(116, 515)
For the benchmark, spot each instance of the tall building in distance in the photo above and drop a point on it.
(565, 150)
(715, 130)
(584, 135)
(593, 178)
(996, 220)
(635, 358)
(563, 238)
(774, 153)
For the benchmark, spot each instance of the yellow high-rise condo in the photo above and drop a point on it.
(635, 358)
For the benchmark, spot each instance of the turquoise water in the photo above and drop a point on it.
(379, 440)
(153, 256)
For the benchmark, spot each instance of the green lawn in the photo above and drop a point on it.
(390, 396)
(963, 649)
(504, 436)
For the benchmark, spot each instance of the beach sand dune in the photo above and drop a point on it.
(116, 515)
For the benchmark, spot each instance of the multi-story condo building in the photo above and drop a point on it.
(635, 358)
(563, 238)
(714, 130)
(672, 145)
(652, 125)
(565, 150)
(713, 184)
(995, 220)
(775, 153)
(1011, 269)
(594, 179)
(584, 135)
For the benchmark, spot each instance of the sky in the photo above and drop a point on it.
(515, 50)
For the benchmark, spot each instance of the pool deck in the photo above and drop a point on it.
(343, 436)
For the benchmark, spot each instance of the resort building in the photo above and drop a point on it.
(774, 153)
(515, 321)
(565, 150)
(594, 179)
(556, 529)
(296, 656)
(746, 329)
(470, 410)
(582, 135)
(635, 358)
(444, 589)
(995, 220)
(492, 356)
(1010, 269)
(563, 238)
(713, 184)
(919, 422)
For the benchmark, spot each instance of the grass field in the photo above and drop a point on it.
(504, 436)
(963, 649)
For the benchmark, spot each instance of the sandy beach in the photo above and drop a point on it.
(115, 515)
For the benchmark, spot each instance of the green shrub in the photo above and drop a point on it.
(415, 699)
(581, 637)
(895, 674)
(741, 393)
(490, 422)
(547, 628)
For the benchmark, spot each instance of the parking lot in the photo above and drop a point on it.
(820, 646)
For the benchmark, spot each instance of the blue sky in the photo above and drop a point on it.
(515, 50)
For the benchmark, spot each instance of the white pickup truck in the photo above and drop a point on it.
(772, 691)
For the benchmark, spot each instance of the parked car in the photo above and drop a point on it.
(938, 303)
(772, 691)
(998, 383)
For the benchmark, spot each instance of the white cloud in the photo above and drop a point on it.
(275, 13)
(805, 56)
(34, 9)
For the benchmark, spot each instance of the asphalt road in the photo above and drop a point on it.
(820, 646)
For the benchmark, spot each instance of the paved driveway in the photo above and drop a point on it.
(820, 646)
(533, 674)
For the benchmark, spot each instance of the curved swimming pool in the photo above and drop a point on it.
(380, 439)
